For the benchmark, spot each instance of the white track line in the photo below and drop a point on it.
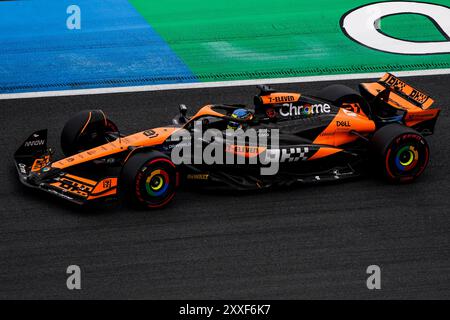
(197, 85)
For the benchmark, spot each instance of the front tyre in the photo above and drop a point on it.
(86, 130)
(401, 153)
(149, 179)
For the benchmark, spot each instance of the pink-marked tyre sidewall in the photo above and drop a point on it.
(401, 153)
(149, 179)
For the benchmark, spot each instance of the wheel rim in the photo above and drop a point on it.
(407, 157)
(157, 183)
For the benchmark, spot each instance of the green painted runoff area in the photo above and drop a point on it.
(236, 39)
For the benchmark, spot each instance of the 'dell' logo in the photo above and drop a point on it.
(343, 123)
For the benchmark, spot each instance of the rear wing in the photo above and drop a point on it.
(391, 97)
(416, 97)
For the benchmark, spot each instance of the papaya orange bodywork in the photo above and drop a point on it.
(207, 111)
(104, 188)
(395, 84)
(245, 151)
(39, 163)
(71, 186)
(395, 100)
(324, 152)
(338, 131)
(158, 136)
(280, 97)
(84, 180)
(414, 117)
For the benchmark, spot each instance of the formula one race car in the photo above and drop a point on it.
(339, 134)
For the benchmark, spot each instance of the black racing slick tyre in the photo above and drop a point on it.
(339, 94)
(149, 179)
(86, 130)
(401, 153)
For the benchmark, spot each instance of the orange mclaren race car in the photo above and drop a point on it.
(338, 134)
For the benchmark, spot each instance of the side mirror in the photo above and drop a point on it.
(265, 90)
(183, 110)
(182, 118)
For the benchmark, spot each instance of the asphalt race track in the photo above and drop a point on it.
(307, 242)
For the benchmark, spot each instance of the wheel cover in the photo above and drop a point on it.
(157, 183)
(407, 157)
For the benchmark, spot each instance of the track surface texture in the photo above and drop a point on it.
(301, 243)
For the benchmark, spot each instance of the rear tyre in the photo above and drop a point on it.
(86, 130)
(401, 153)
(339, 94)
(149, 180)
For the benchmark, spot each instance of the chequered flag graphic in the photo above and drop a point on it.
(294, 154)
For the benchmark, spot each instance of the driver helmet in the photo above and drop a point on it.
(242, 114)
